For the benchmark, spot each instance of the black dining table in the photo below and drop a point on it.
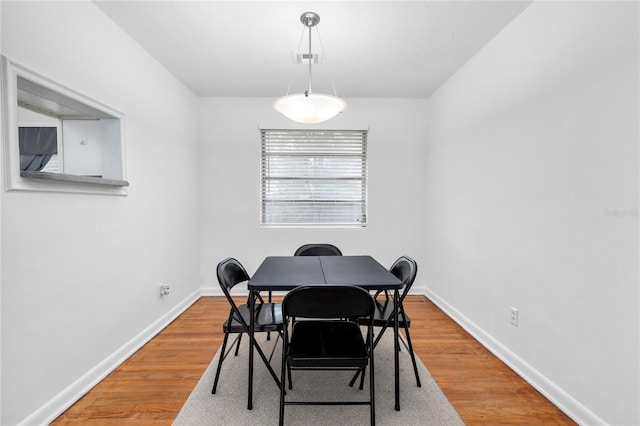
(284, 273)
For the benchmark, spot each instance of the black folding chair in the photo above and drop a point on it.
(267, 316)
(322, 340)
(318, 250)
(405, 269)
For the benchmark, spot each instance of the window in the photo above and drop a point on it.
(314, 178)
(59, 140)
(39, 143)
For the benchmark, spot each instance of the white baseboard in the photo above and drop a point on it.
(418, 288)
(61, 402)
(560, 398)
(212, 291)
(565, 402)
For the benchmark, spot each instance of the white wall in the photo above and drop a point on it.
(81, 273)
(1, 174)
(532, 202)
(230, 179)
(83, 147)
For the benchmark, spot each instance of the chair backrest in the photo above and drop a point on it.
(328, 301)
(405, 269)
(318, 250)
(230, 272)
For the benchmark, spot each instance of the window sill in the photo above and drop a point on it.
(73, 178)
(311, 226)
(59, 182)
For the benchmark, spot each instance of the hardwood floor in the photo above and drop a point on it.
(151, 386)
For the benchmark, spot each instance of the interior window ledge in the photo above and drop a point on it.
(61, 177)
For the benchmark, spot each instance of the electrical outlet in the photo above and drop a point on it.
(165, 289)
(514, 317)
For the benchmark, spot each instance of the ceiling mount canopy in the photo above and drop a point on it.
(310, 107)
(309, 19)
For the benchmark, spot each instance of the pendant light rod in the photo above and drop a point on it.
(309, 20)
(310, 61)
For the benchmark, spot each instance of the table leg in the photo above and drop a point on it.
(396, 348)
(251, 328)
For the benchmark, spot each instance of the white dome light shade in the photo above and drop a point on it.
(311, 108)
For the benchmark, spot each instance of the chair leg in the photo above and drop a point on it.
(359, 372)
(283, 367)
(222, 356)
(354, 378)
(269, 333)
(413, 356)
(372, 384)
(362, 378)
(238, 344)
(275, 345)
(267, 364)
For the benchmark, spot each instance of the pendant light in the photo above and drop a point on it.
(310, 107)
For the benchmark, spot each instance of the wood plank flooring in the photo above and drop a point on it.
(151, 386)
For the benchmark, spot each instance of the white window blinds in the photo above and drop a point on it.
(314, 177)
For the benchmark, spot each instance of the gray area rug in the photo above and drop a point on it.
(426, 405)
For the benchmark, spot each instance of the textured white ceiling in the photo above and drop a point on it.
(374, 49)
